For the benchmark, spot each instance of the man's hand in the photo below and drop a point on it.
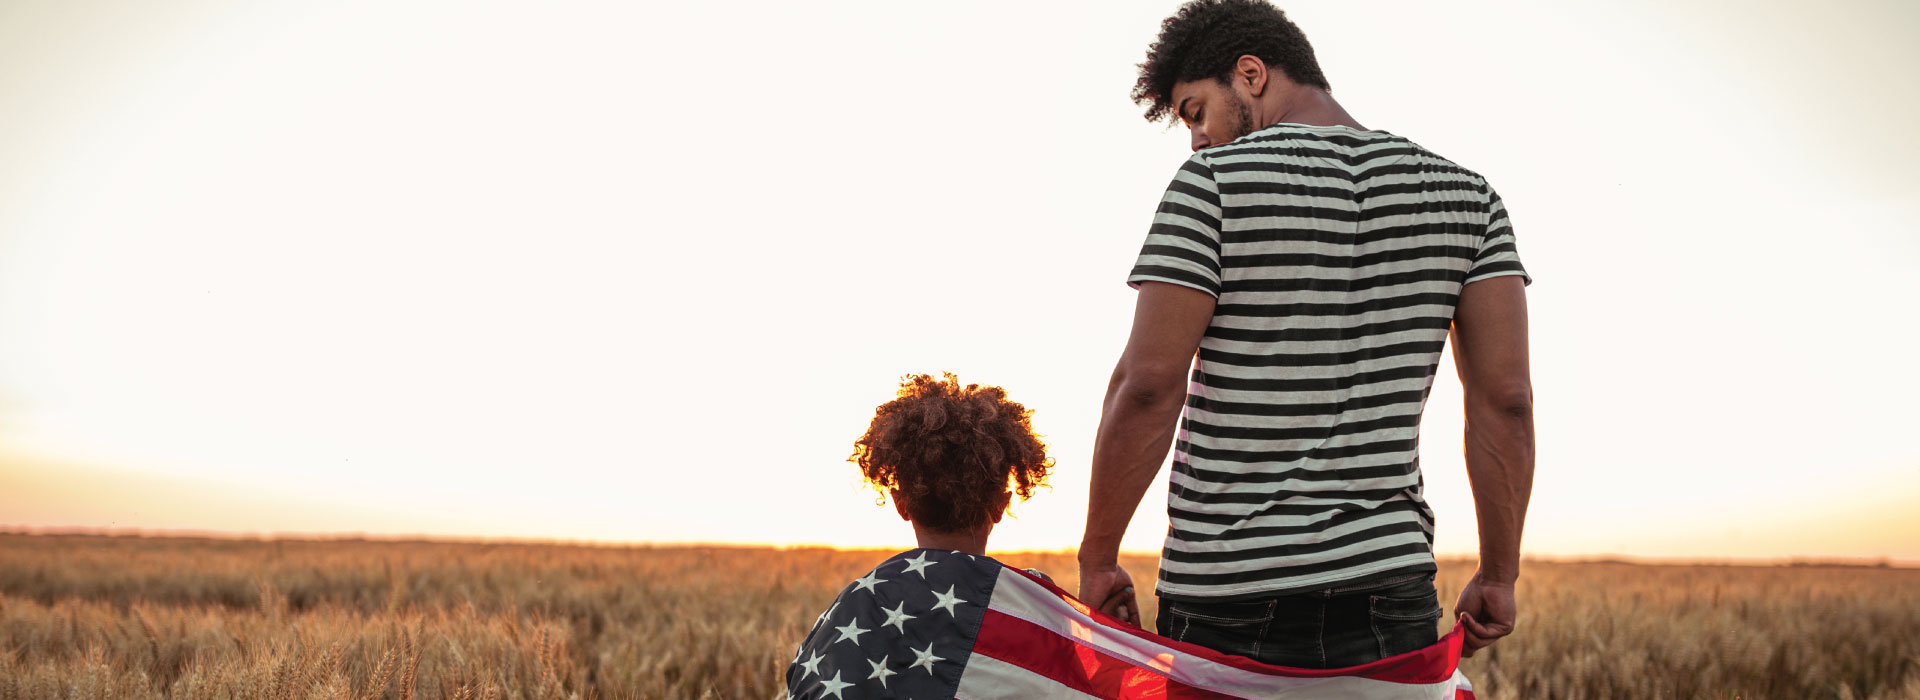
(1110, 588)
(1486, 610)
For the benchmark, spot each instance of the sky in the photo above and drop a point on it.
(618, 272)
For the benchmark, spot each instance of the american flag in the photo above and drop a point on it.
(931, 625)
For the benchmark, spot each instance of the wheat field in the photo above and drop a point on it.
(130, 617)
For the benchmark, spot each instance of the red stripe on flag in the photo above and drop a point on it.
(1432, 664)
(1074, 665)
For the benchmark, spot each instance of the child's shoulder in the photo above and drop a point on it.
(915, 580)
(923, 566)
(922, 570)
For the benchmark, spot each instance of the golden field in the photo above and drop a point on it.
(132, 617)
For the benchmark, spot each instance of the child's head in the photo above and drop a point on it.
(952, 456)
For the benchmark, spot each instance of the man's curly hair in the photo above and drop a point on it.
(951, 450)
(1206, 37)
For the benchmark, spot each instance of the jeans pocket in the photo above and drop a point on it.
(1228, 628)
(1405, 617)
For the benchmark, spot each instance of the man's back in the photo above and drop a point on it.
(1337, 257)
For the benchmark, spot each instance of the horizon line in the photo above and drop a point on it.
(1883, 562)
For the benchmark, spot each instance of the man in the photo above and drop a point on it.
(1317, 268)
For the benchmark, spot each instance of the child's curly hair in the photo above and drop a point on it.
(951, 450)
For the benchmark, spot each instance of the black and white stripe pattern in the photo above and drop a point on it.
(1337, 257)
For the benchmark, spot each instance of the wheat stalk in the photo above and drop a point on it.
(412, 655)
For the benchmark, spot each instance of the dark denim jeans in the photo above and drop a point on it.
(1330, 628)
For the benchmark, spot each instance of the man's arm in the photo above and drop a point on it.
(1137, 425)
(1490, 352)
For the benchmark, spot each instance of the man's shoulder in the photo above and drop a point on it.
(1333, 135)
(1359, 151)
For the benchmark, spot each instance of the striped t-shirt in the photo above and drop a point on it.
(1336, 257)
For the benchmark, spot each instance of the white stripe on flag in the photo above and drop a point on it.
(988, 678)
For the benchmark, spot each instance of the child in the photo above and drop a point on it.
(951, 458)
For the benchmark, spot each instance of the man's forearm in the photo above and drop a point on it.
(1136, 428)
(1499, 452)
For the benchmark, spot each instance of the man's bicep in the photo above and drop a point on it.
(1490, 339)
(1168, 322)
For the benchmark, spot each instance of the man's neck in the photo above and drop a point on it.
(1312, 107)
(974, 543)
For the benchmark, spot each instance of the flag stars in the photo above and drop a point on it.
(924, 658)
(851, 632)
(834, 685)
(946, 601)
(897, 617)
(820, 673)
(918, 565)
(881, 671)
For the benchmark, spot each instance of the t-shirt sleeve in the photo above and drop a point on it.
(1183, 246)
(1497, 256)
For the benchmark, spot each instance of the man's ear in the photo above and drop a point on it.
(899, 506)
(1252, 72)
(1000, 505)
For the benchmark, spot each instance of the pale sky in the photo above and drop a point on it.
(606, 272)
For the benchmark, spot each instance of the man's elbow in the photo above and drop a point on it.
(1140, 387)
(1512, 402)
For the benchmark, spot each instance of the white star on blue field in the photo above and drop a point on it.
(903, 630)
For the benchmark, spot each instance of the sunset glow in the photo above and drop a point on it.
(588, 273)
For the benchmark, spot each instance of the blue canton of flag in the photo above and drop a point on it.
(904, 630)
